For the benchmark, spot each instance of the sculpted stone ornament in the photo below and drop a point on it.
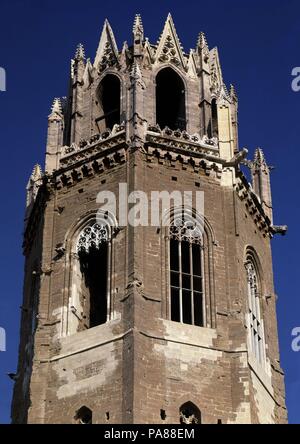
(185, 419)
(108, 58)
(184, 228)
(92, 237)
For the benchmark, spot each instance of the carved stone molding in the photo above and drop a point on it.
(98, 142)
(254, 208)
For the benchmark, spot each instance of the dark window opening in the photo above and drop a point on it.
(93, 265)
(107, 416)
(219, 421)
(163, 415)
(109, 103)
(186, 282)
(170, 100)
(214, 119)
(189, 414)
(84, 416)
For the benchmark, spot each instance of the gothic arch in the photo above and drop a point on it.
(208, 243)
(83, 220)
(254, 304)
(171, 98)
(175, 69)
(189, 413)
(88, 242)
(108, 99)
(84, 415)
(123, 89)
(250, 254)
(99, 119)
(214, 124)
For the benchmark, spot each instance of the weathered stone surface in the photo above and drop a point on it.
(140, 362)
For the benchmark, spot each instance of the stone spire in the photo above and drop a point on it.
(261, 181)
(202, 42)
(138, 28)
(34, 182)
(80, 53)
(55, 135)
(202, 52)
(78, 65)
(36, 174)
(138, 36)
(56, 109)
(260, 160)
(232, 93)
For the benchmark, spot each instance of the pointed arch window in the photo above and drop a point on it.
(108, 102)
(189, 414)
(214, 119)
(170, 100)
(84, 416)
(89, 301)
(255, 322)
(186, 273)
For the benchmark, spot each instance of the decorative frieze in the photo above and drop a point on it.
(193, 143)
(254, 207)
(97, 143)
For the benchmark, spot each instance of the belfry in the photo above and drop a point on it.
(136, 323)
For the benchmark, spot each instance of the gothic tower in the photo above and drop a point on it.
(139, 322)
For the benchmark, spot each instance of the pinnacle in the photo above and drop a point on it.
(259, 155)
(232, 91)
(259, 158)
(138, 24)
(135, 71)
(202, 42)
(80, 53)
(56, 107)
(36, 172)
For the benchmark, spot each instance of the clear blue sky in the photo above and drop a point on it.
(259, 44)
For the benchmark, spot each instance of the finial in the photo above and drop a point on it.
(138, 25)
(56, 107)
(202, 42)
(259, 155)
(80, 53)
(232, 92)
(260, 160)
(37, 172)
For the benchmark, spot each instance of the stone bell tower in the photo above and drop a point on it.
(139, 322)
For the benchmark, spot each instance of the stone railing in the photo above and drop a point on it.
(86, 148)
(183, 140)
